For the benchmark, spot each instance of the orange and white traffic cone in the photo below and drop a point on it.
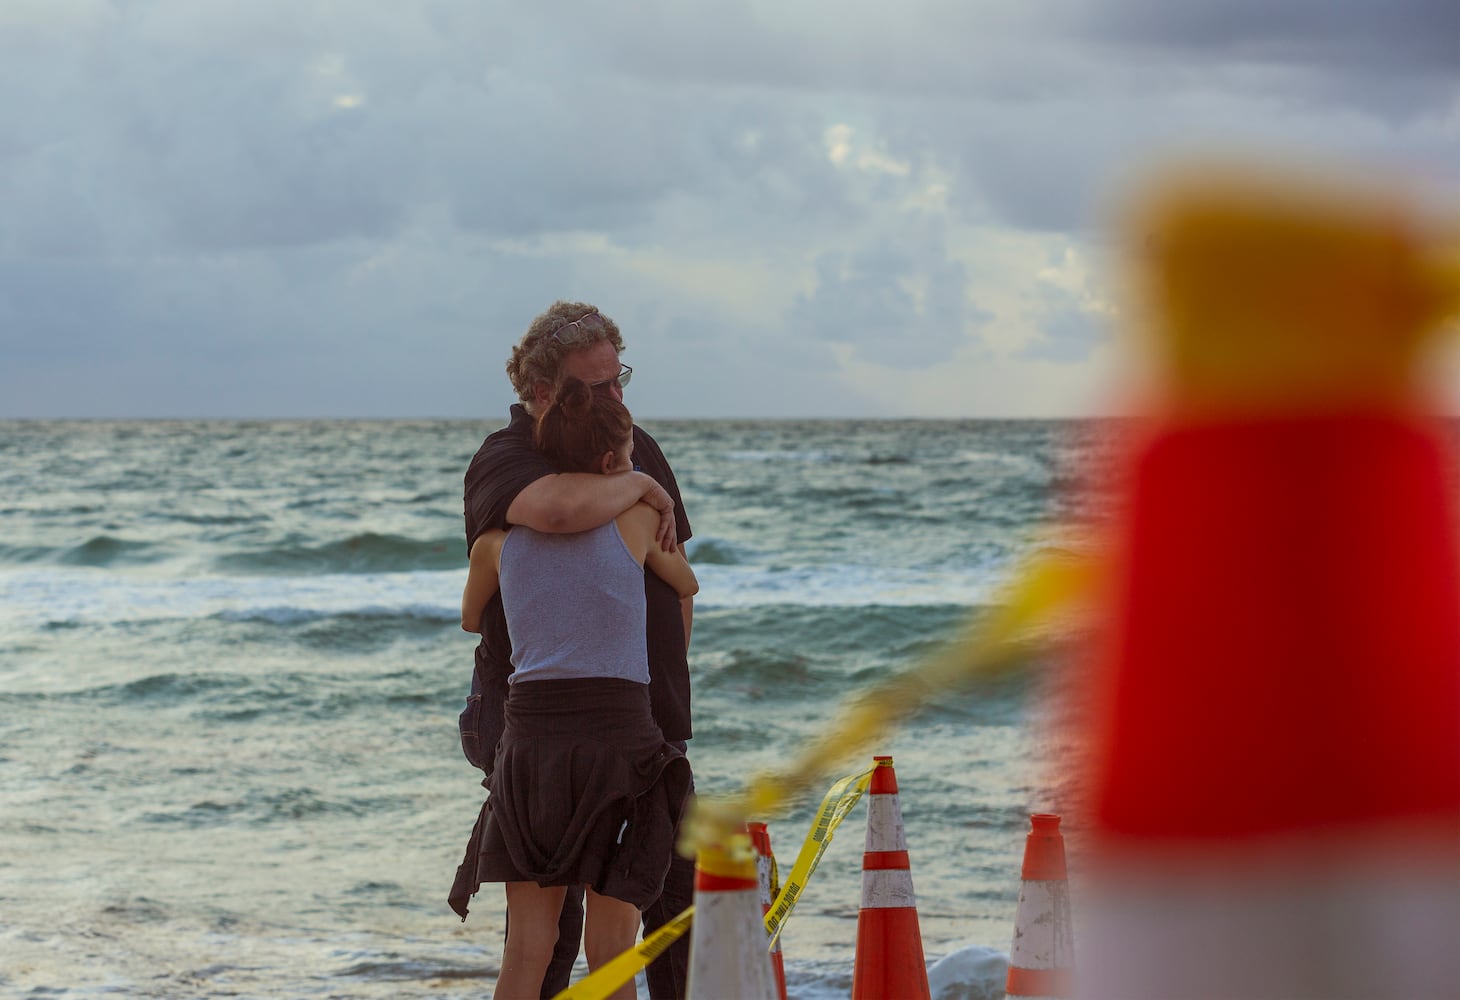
(1041, 962)
(889, 943)
(765, 867)
(727, 952)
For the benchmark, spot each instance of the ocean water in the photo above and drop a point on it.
(230, 669)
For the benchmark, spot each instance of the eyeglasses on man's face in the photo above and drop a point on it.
(622, 378)
(583, 330)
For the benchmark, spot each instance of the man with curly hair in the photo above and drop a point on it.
(510, 482)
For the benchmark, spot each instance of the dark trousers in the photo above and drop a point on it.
(668, 975)
(570, 938)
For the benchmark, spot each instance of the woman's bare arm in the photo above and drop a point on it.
(636, 525)
(687, 608)
(481, 578)
(674, 569)
(577, 501)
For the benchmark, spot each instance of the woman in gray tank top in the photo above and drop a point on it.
(584, 790)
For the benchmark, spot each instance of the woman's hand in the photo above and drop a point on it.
(658, 497)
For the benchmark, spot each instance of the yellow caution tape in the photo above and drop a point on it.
(839, 801)
(834, 807)
(604, 980)
(992, 644)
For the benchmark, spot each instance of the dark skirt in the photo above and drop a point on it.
(584, 791)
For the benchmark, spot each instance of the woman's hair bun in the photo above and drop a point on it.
(582, 425)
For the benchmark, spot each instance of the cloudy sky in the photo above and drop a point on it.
(791, 207)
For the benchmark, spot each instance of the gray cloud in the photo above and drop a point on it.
(314, 208)
(1418, 38)
(900, 304)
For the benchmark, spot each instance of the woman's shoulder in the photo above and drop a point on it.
(638, 526)
(488, 543)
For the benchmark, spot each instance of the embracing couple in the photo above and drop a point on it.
(580, 705)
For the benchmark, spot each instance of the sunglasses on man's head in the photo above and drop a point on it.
(583, 330)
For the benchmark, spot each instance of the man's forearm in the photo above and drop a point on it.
(578, 501)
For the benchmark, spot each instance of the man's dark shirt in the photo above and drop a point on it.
(505, 465)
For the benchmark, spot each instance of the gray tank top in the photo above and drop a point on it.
(574, 606)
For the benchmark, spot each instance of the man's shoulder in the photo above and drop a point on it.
(504, 465)
(519, 425)
(516, 435)
(650, 459)
(644, 440)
